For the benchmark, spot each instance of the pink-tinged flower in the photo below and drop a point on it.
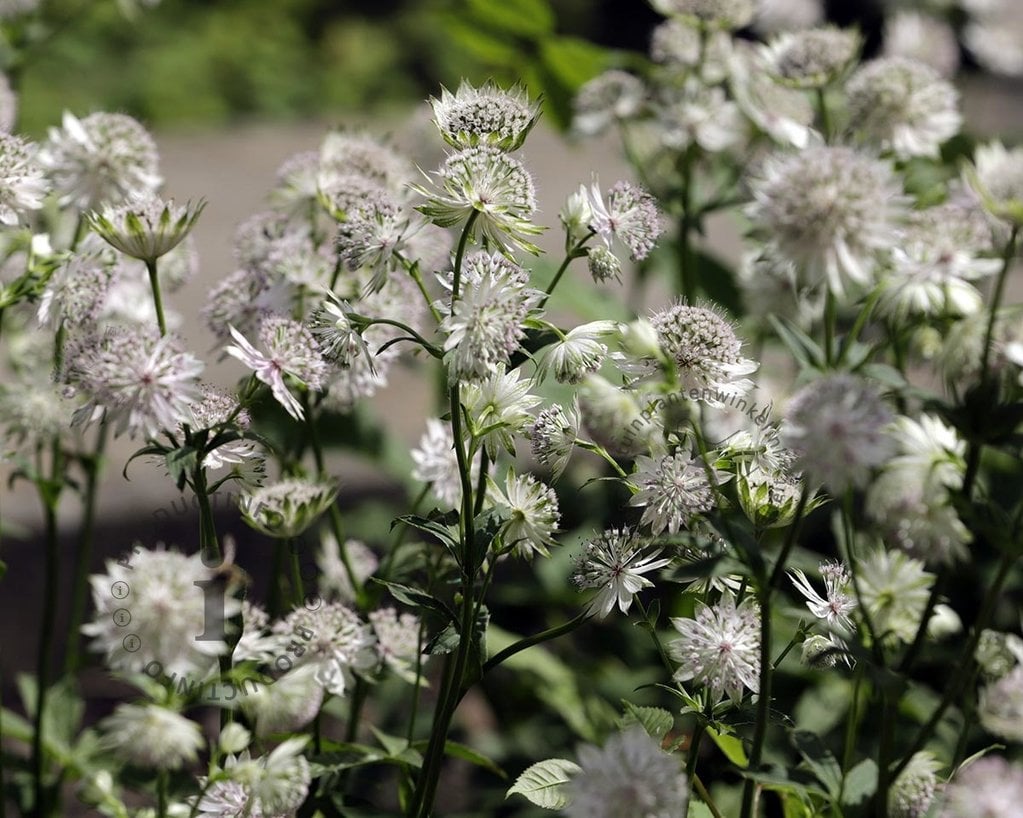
(837, 603)
(291, 351)
(615, 562)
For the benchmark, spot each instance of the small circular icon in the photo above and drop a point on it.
(131, 643)
(119, 590)
(122, 616)
(313, 602)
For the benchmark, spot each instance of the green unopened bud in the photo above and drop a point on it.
(820, 652)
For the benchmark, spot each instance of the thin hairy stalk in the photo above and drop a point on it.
(209, 544)
(154, 285)
(852, 723)
(830, 327)
(694, 748)
(701, 791)
(83, 555)
(161, 794)
(355, 706)
(824, 114)
(687, 258)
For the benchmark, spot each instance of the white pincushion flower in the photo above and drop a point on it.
(158, 589)
(930, 447)
(242, 300)
(22, 184)
(485, 324)
(903, 106)
(484, 116)
(256, 644)
(493, 185)
(994, 35)
(836, 426)
(788, 15)
(140, 383)
(501, 404)
(813, 58)
(677, 44)
(706, 351)
(996, 175)
(338, 643)
(838, 601)
(287, 705)
(720, 647)
(398, 641)
(77, 290)
(673, 488)
(629, 776)
(831, 210)
(101, 158)
(614, 562)
(727, 14)
(1000, 707)
(291, 351)
(553, 436)
(288, 507)
(152, 736)
(913, 792)
(145, 227)
(334, 579)
(989, 787)
(894, 589)
(333, 326)
(356, 153)
(532, 511)
(613, 96)
(698, 115)
(922, 37)
(578, 353)
(436, 463)
(276, 784)
(627, 216)
(614, 418)
(785, 114)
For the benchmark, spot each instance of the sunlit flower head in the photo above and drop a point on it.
(553, 435)
(614, 563)
(288, 507)
(627, 216)
(145, 228)
(894, 589)
(673, 489)
(531, 508)
(22, 184)
(813, 58)
(487, 115)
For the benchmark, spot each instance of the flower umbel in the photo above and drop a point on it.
(145, 227)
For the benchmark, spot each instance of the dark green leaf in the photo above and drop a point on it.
(820, 760)
(416, 598)
(860, 783)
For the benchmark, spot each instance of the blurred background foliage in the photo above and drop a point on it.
(194, 62)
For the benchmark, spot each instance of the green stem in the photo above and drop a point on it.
(830, 327)
(825, 116)
(884, 752)
(161, 794)
(154, 284)
(963, 669)
(209, 545)
(687, 259)
(535, 639)
(701, 790)
(851, 726)
(973, 454)
(297, 589)
(83, 555)
(694, 748)
(575, 252)
(355, 709)
(413, 271)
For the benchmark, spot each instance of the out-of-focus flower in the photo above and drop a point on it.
(894, 589)
(22, 183)
(990, 787)
(613, 96)
(913, 792)
(922, 37)
(814, 58)
(149, 735)
(997, 177)
(726, 14)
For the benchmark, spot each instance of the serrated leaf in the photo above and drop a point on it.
(820, 760)
(544, 783)
(415, 598)
(656, 721)
(731, 746)
(860, 783)
(180, 463)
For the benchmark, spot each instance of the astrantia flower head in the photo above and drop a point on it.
(484, 116)
(76, 291)
(788, 15)
(334, 579)
(341, 644)
(151, 736)
(628, 214)
(609, 97)
(145, 227)
(997, 177)
(484, 327)
(614, 562)
(673, 489)
(822, 652)
(706, 351)
(903, 106)
(372, 235)
(837, 428)
(103, 158)
(276, 783)
(22, 184)
(354, 153)
(398, 641)
(998, 653)
(894, 590)
(289, 704)
(242, 300)
(493, 185)
(913, 792)
(994, 35)
(630, 775)
(1000, 707)
(990, 787)
(614, 419)
(335, 330)
(831, 210)
(500, 403)
(135, 380)
(838, 601)
(287, 508)
(694, 114)
(729, 14)
(579, 353)
(785, 114)
(436, 463)
(676, 44)
(553, 435)
(922, 37)
(532, 514)
(158, 589)
(291, 351)
(720, 647)
(814, 58)
(603, 264)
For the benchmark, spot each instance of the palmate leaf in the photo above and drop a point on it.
(544, 783)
